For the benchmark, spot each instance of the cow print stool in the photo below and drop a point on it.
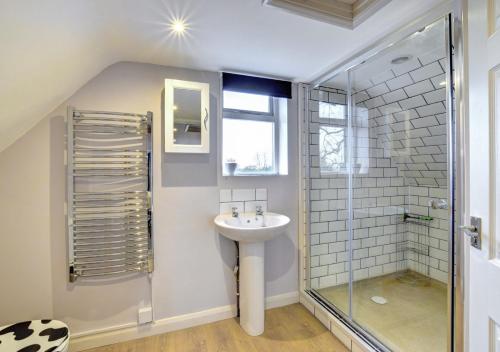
(34, 336)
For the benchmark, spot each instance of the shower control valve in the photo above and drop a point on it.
(438, 204)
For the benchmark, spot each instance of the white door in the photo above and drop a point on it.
(482, 315)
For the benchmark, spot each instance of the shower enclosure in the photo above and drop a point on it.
(379, 184)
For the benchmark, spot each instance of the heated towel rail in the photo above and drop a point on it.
(109, 183)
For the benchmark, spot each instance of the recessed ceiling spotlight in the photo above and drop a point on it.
(178, 26)
(400, 59)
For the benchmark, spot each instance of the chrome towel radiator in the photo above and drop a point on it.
(109, 204)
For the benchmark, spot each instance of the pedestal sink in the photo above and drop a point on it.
(251, 231)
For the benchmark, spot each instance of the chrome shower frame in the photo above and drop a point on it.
(453, 14)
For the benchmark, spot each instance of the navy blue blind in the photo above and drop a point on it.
(256, 85)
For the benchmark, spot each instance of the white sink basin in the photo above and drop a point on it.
(248, 227)
(251, 231)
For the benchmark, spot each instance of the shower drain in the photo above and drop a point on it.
(379, 300)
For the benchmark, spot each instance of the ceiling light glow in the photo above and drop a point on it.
(178, 26)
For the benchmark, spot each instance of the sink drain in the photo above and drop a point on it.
(379, 300)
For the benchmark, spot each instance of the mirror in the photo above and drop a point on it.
(187, 121)
(186, 117)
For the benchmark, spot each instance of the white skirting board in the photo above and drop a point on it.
(131, 331)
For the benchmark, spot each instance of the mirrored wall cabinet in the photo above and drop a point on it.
(187, 120)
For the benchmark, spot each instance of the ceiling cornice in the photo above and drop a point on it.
(347, 14)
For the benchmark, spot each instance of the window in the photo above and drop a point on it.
(247, 102)
(332, 137)
(251, 134)
(252, 150)
(332, 148)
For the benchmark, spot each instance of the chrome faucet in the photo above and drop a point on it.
(234, 212)
(258, 210)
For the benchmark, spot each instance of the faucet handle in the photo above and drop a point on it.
(258, 210)
(234, 212)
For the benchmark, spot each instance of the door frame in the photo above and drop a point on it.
(460, 302)
(457, 294)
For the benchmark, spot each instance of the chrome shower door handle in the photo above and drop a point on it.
(205, 119)
(473, 231)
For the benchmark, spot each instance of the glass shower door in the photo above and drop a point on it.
(379, 244)
(328, 196)
(399, 171)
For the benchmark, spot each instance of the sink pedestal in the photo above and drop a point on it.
(251, 231)
(252, 289)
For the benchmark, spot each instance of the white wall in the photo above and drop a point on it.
(193, 264)
(25, 247)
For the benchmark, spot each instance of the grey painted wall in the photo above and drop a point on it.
(193, 264)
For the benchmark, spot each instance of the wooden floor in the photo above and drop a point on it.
(291, 328)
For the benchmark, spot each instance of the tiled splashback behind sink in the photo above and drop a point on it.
(244, 199)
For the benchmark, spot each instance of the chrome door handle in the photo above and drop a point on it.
(468, 229)
(473, 231)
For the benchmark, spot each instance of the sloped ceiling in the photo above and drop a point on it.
(50, 48)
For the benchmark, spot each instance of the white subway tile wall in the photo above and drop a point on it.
(261, 194)
(225, 195)
(227, 207)
(244, 200)
(400, 164)
(243, 194)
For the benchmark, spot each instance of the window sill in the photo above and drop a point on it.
(334, 173)
(252, 175)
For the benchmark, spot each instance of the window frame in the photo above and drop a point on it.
(271, 116)
(271, 102)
